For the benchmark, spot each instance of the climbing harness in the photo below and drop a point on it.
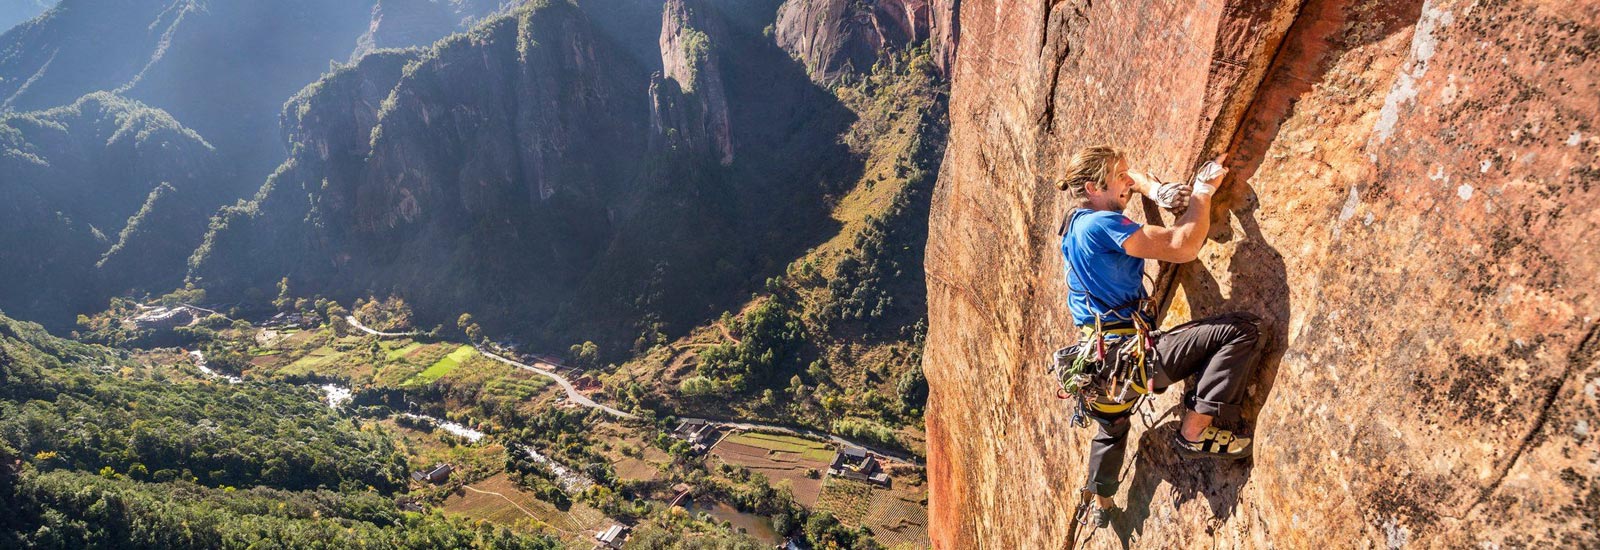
(1110, 368)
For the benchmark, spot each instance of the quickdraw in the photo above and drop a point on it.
(1108, 370)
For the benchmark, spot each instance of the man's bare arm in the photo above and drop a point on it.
(1181, 243)
(1177, 244)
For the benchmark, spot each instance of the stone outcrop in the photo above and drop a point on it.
(1398, 213)
(688, 103)
(500, 139)
(836, 37)
(946, 28)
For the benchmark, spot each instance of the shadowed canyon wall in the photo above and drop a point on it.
(1408, 210)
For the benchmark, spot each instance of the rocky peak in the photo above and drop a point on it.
(837, 37)
(404, 23)
(688, 103)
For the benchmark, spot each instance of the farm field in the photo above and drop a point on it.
(779, 458)
(848, 501)
(444, 366)
(402, 351)
(499, 500)
(899, 518)
(808, 449)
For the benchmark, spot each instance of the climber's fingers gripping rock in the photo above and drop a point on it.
(1173, 196)
(1209, 177)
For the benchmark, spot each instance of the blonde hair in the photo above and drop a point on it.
(1091, 164)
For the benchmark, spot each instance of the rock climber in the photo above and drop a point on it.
(1105, 253)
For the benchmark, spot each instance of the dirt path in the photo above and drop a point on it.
(726, 334)
(508, 499)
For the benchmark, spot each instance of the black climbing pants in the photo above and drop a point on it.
(1219, 352)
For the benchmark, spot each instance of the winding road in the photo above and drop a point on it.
(572, 392)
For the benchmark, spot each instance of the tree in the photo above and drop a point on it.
(284, 300)
(696, 386)
(336, 318)
(585, 355)
(473, 332)
(913, 388)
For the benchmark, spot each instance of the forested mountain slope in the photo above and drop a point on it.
(223, 69)
(102, 196)
(99, 451)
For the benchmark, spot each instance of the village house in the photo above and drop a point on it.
(292, 319)
(611, 538)
(438, 474)
(699, 433)
(857, 464)
(162, 318)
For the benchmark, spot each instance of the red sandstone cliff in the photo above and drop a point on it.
(688, 102)
(1411, 210)
(834, 37)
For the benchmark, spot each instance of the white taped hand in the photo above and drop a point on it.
(1171, 196)
(1205, 181)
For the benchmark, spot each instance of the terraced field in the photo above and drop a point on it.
(849, 501)
(443, 366)
(779, 458)
(899, 519)
(807, 449)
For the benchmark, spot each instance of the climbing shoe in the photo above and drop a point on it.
(1094, 516)
(1213, 443)
(1101, 517)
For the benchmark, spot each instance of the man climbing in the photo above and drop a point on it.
(1118, 358)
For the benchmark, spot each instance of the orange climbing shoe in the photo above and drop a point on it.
(1213, 443)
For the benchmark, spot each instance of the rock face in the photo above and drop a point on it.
(835, 37)
(404, 23)
(1397, 213)
(688, 103)
(512, 172)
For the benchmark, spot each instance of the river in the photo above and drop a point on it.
(571, 482)
(200, 361)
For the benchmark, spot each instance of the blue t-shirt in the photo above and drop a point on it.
(1097, 263)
